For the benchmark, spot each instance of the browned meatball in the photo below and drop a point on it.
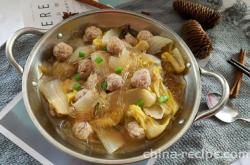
(85, 67)
(62, 51)
(115, 45)
(130, 39)
(82, 130)
(114, 82)
(141, 79)
(144, 35)
(91, 33)
(135, 131)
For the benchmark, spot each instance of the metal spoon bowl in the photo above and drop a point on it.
(228, 113)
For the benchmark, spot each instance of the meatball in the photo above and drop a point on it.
(114, 82)
(62, 51)
(135, 131)
(144, 35)
(82, 130)
(130, 39)
(80, 93)
(85, 67)
(91, 33)
(115, 45)
(141, 79)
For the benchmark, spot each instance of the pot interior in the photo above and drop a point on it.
(107, 19)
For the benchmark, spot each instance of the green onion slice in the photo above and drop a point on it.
(118, 70)
(77, 77)
(105, 49)
(98, 60)
(82, 54)
(140, 102)
(163, 99)
(77, 86)
(104, 85)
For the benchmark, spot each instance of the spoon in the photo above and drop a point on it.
(228, 113)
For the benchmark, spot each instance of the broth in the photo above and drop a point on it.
(113, 92)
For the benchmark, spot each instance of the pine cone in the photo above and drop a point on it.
(197, 39)
(206, 16)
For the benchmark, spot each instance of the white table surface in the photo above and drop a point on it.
(10, 18)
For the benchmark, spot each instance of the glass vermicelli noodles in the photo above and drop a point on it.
(113, 88)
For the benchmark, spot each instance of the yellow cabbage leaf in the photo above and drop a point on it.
(152, 127)
(175, 59)
(109, 119)
(171, 106)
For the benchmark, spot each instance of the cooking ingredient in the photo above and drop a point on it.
(98, 60)
(118, 70)
(84, 106)
(155, 111)
(135, 131)
(77, 86)
(82, 130)
(114, 82)
(80, 93)
(77, 77)
(144, 35)
(157, 43)
(77, 55)
(62, 70)
(152, 127)
(163, 99)
(140, 103)
(111, 89)
(115, 45)
(62, 51)
(111, 139)
(142, 46)
(109, 34)
(175, 59)
(85, 68)
(141, 79)
(82, 54)
(130, 39)
(91, 33)
(53, 92)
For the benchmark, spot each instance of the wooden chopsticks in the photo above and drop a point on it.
(95, 4)
(240, 67)
(235, 90)
(88, 2)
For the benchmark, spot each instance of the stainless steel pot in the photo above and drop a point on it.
(110, 18)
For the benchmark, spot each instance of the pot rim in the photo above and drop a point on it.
(102, 160)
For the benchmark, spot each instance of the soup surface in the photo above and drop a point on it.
(113, 90)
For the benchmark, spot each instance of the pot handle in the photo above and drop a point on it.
(222, 101)
(11, 41)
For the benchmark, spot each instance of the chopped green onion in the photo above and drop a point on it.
(82, 54)
(140, 102)
(163, 99)
(105, 49)
(104, 85)
(77, 86)
(98, 60)
(118, 70)
(77, 77)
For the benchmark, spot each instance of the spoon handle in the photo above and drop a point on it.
(244, 119)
